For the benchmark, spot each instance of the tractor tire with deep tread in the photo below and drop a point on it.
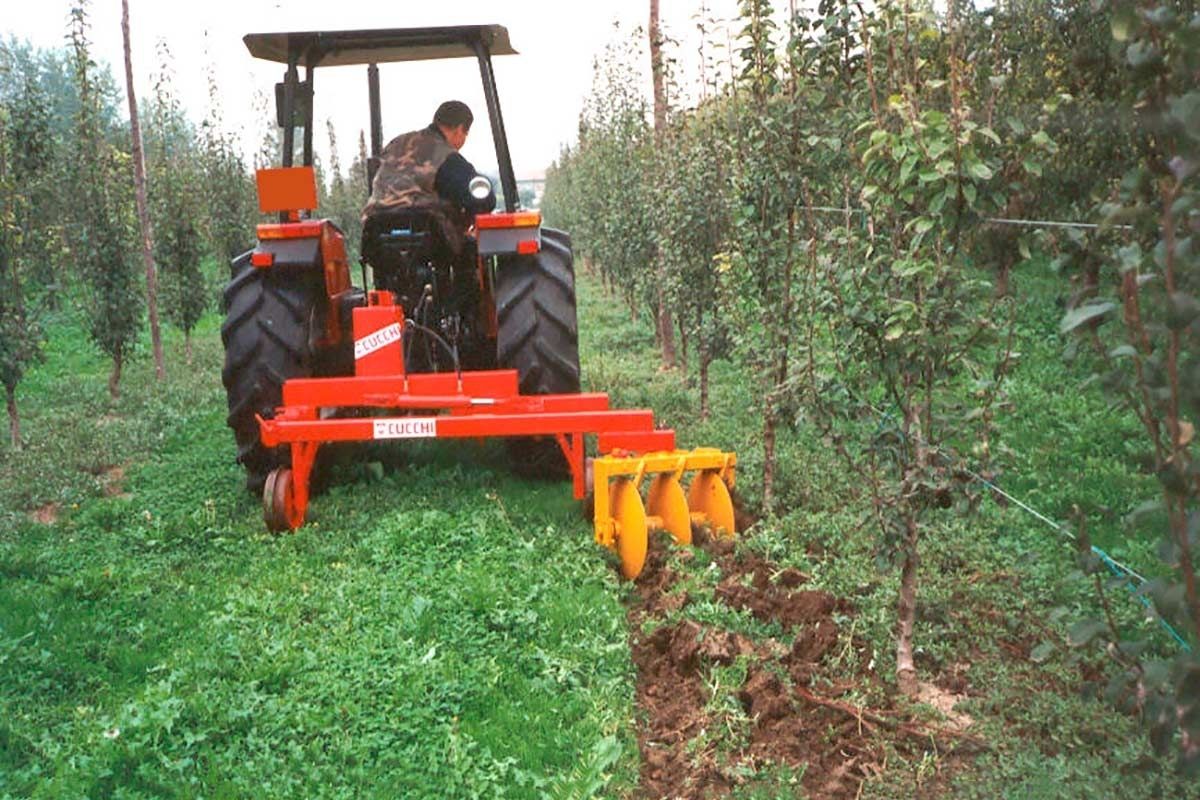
(538, 335)
(269, 316)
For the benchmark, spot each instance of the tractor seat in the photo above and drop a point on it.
(397, 238)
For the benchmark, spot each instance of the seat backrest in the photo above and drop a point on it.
(394, 238)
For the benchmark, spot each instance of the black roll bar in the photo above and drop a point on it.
(289, 105)
(508, 181)
(308, 117)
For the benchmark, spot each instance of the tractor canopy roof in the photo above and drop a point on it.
(336, 48)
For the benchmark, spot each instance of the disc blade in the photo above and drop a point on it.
(630, 516)
(667, 501)
(279, 508)
(285, 501)
(275, 521)
(709, 495)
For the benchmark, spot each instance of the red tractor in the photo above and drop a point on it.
(478, 343)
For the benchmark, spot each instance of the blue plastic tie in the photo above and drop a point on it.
(1133, 580)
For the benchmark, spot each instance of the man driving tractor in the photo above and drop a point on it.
(423, 171)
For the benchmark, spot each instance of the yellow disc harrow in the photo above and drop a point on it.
(621, 520)
(709, 501)
(668, 508)
(631, 534)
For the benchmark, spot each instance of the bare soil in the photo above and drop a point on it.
(46, 515)
(113, 482)
(795, 721)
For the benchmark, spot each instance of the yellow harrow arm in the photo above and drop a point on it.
(623, 523)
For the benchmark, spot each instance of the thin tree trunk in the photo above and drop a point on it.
(665, 324)
(187, 347)
(14, 422)
(656, 71)
(906, 610)
(139, 183)
(114, 378)
(768, 478)
(906, 606)
(683, 349)
(1002, 277)
(704, 360)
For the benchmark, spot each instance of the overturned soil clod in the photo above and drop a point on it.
(787, 722)
(770, 594)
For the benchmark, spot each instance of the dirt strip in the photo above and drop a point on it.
(792, 725)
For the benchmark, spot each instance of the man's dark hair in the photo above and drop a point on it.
(453, 113)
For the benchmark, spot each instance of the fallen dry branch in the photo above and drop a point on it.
(868, 718)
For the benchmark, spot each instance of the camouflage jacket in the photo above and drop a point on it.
(408, 168)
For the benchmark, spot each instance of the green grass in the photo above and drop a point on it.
(442, 629)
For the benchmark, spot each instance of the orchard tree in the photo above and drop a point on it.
(663, 320)
(761, 263)
(106, 227)
(345, 198)
(138, 158)
(1149, 360)
(35, 153)
(693, 213)
(176, 213)
(229, 211)
(614, 157)
(20, 343)
(908, 321)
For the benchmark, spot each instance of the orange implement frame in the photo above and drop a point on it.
(479, 405)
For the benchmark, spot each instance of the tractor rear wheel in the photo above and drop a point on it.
(269, 319)
(538, 336)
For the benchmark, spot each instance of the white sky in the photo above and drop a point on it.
(541, 90)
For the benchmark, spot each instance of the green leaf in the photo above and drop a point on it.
(1085, 631)
(1186, 111)
(1043, 651)
(906, 268)
(1078, 316)
(1141, 53)
(1182, 310)
(981, 171)
(1043, 140)
(1123, 22)
(937, 147)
